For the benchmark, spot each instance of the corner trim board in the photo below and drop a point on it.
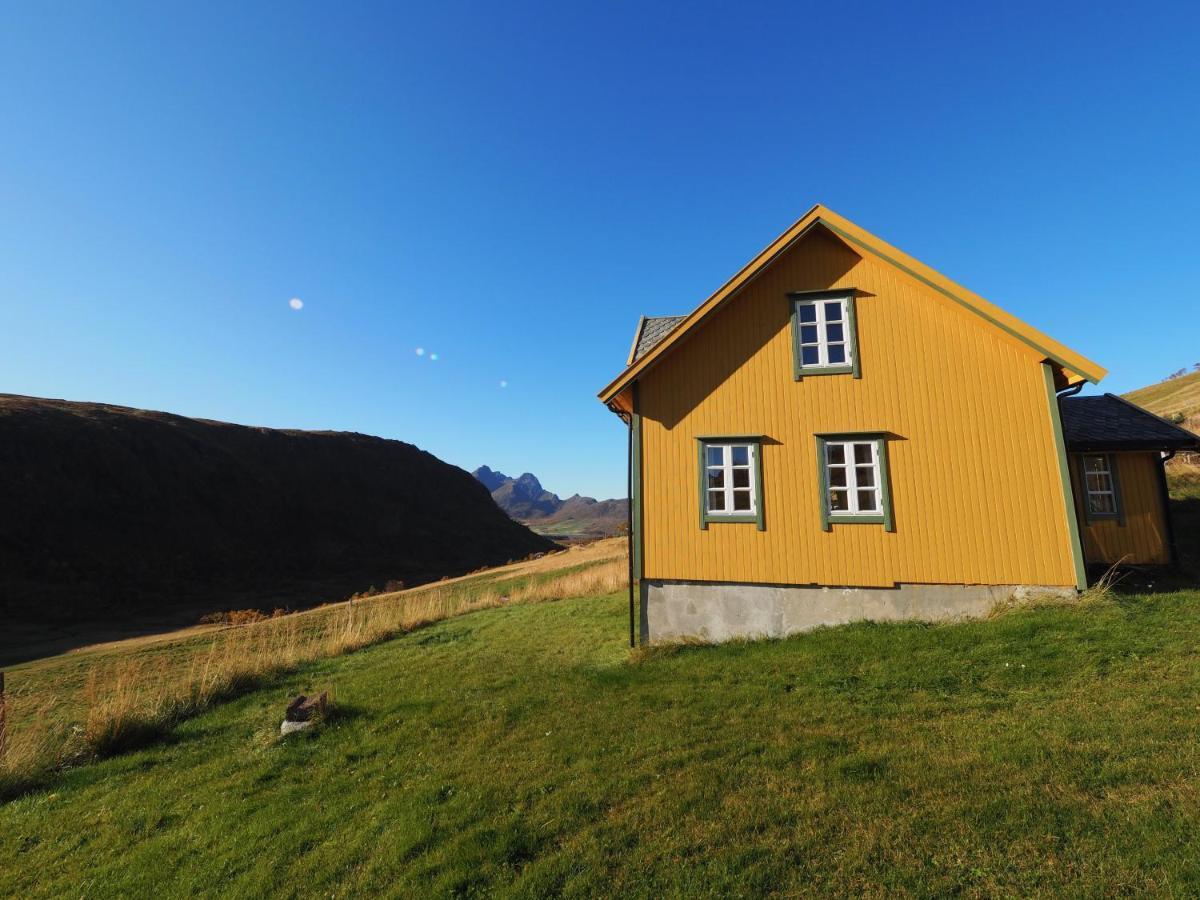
(637, 538)
(1074, 535)
(945, 293)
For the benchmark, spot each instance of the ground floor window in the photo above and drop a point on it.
(853, 476)
(730, 480)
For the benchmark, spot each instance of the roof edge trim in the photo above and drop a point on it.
(1050, 355)
(1080, 367)
(1147, 412)
(637, 337)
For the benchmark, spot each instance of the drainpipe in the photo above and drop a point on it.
(629, 527)
(1071, 391)
(1165, 496)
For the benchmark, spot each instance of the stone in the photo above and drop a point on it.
(305, 709)
(289, 727)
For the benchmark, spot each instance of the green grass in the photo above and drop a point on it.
(522, 751)
(63, 676)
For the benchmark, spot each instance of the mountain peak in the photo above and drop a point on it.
(490, 478)
(525, 500)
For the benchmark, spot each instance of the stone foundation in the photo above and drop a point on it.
(720, 611)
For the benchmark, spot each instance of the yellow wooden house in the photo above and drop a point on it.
(839, 432)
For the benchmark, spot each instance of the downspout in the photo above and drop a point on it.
(1071, 391)
(636, 562)
(629, 526)
(1165, 499)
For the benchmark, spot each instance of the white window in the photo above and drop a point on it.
(852, 478)
(1099, 485)
(824, 333)
(730, 487)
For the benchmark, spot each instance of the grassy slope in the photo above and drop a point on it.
(1172, 396)
(519, 750)
(174, 653)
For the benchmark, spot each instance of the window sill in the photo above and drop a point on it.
(829, 521)
(809, 371)
(736, 520)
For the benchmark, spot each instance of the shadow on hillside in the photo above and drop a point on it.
(48, 624)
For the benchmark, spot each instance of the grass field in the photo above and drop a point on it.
(77, 706)
(523, 750)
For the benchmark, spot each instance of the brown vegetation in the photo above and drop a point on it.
(132, 698)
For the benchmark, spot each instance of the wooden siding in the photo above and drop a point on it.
(1142, 540)
(976, 489)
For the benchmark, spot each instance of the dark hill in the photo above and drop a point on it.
(108, 511)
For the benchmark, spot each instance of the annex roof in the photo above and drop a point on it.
(1108, 422)
(1075, 366)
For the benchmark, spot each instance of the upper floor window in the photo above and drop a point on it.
(1102, 497)
(730, 480)
(824, 333)
(854, 480)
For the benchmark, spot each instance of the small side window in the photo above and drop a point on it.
(1101, 493)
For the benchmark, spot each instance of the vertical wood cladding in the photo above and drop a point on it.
(976, 491)
(1142, 540)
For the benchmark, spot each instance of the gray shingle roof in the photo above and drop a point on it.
(654, 329)
(1110, 423)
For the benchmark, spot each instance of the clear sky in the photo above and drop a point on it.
(509, 186)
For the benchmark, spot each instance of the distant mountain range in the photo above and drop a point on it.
(526, 501)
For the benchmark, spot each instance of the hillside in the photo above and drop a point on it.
(523, 751)
(575, 518)
(1174, 399)
(119, 515)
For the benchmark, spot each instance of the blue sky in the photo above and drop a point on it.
(509, 186)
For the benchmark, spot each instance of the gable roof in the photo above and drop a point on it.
(651, 330)
(1108, 422)
(1075, 366)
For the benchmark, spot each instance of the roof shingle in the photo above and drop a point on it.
(654, 329)
(1109, 423)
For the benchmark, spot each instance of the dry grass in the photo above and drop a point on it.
(1103, 591)
(127, 700)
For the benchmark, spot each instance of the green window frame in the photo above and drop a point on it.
(849, 465)
(817, 318)
(722, 479)
(1094, 488)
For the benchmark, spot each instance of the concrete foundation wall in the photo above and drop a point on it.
(709, 611)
